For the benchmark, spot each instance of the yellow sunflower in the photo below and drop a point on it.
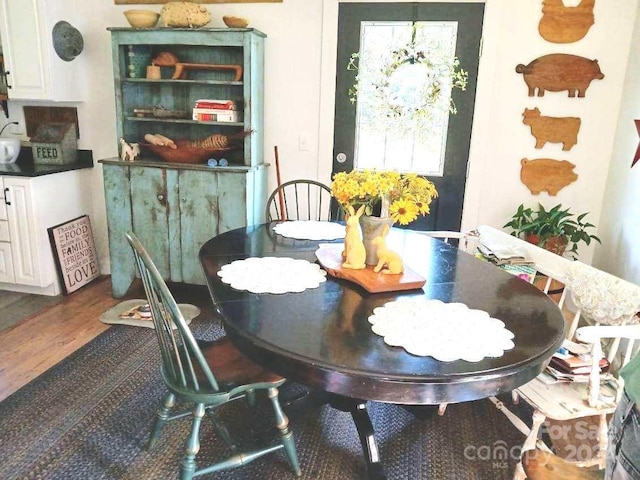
(403, 211)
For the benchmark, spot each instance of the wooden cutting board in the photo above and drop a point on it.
(546, 174)
(330, 257)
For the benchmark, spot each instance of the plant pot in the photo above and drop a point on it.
(556, 244)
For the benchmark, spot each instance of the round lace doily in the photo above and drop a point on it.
(272, 275)
(601, 296)
(310, 230)
(444, 331)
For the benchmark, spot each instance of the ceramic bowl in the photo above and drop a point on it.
(141, 18)
(235, 22)
(9, 150)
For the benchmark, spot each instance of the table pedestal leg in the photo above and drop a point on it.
(358, 410)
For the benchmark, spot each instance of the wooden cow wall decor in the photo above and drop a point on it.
(545, 129)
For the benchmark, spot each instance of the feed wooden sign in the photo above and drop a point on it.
(75, 253)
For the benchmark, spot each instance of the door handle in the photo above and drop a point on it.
(6, 191)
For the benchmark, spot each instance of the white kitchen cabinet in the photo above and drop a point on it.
(32, 205)
(6, 263)
(33, 69)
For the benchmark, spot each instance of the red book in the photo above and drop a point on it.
(216, 104)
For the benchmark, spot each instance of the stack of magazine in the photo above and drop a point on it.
(510, 258)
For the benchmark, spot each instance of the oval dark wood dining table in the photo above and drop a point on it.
(322, 338)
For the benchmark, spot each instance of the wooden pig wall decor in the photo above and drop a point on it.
(545, 174)
(559, 71)
(562, 130)
(560, 24)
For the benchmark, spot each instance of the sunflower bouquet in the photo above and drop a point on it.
(400, 196)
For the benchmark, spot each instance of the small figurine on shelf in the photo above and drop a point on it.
(129, 151)
(354, 252)
(386, 258)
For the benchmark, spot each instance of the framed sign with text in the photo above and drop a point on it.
(74, 252)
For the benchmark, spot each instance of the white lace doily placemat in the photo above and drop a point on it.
(444, 331)
(310, 230)
(272, 275)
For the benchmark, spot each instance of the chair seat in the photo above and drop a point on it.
(541, 465)
(232, 367)
(565, 400)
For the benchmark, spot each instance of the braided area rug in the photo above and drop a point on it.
(89, 416)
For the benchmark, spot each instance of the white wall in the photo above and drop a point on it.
(300, 82)
(495, 188)
(620, 221)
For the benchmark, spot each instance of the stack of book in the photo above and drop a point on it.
(211, 110)
(568, 366)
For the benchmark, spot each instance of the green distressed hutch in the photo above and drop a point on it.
(175, 207)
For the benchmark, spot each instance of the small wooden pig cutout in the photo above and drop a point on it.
(560, 71)
(562, 130)
(545, 174)
(561, 24)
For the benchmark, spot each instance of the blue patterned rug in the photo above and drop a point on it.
(88, 418)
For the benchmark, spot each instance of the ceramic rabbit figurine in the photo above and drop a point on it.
(386, 257)
(354, 252)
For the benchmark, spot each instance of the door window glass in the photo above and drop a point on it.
(395, 128)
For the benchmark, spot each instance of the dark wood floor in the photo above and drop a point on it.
(38, 342)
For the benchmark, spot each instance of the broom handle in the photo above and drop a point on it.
(283, 214)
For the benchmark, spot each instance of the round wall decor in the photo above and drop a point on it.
(67, 41)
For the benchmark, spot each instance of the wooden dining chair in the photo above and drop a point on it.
(207, 375)
(541, 465)
(302, 200)
(466, 241)
(605, 306)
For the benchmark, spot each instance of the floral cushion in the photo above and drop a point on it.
(603, 298)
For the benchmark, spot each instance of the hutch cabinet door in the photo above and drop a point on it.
(210, 203)
(118, 206)
(151, 195)
(199, 207)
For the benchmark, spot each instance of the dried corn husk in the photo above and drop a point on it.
(213, 141)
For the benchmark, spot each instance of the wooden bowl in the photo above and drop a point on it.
(141, 18)
(183, 154)
(235, 22)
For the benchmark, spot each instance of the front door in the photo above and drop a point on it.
(389, 130)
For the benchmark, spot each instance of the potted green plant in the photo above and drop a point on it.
(557, 229)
